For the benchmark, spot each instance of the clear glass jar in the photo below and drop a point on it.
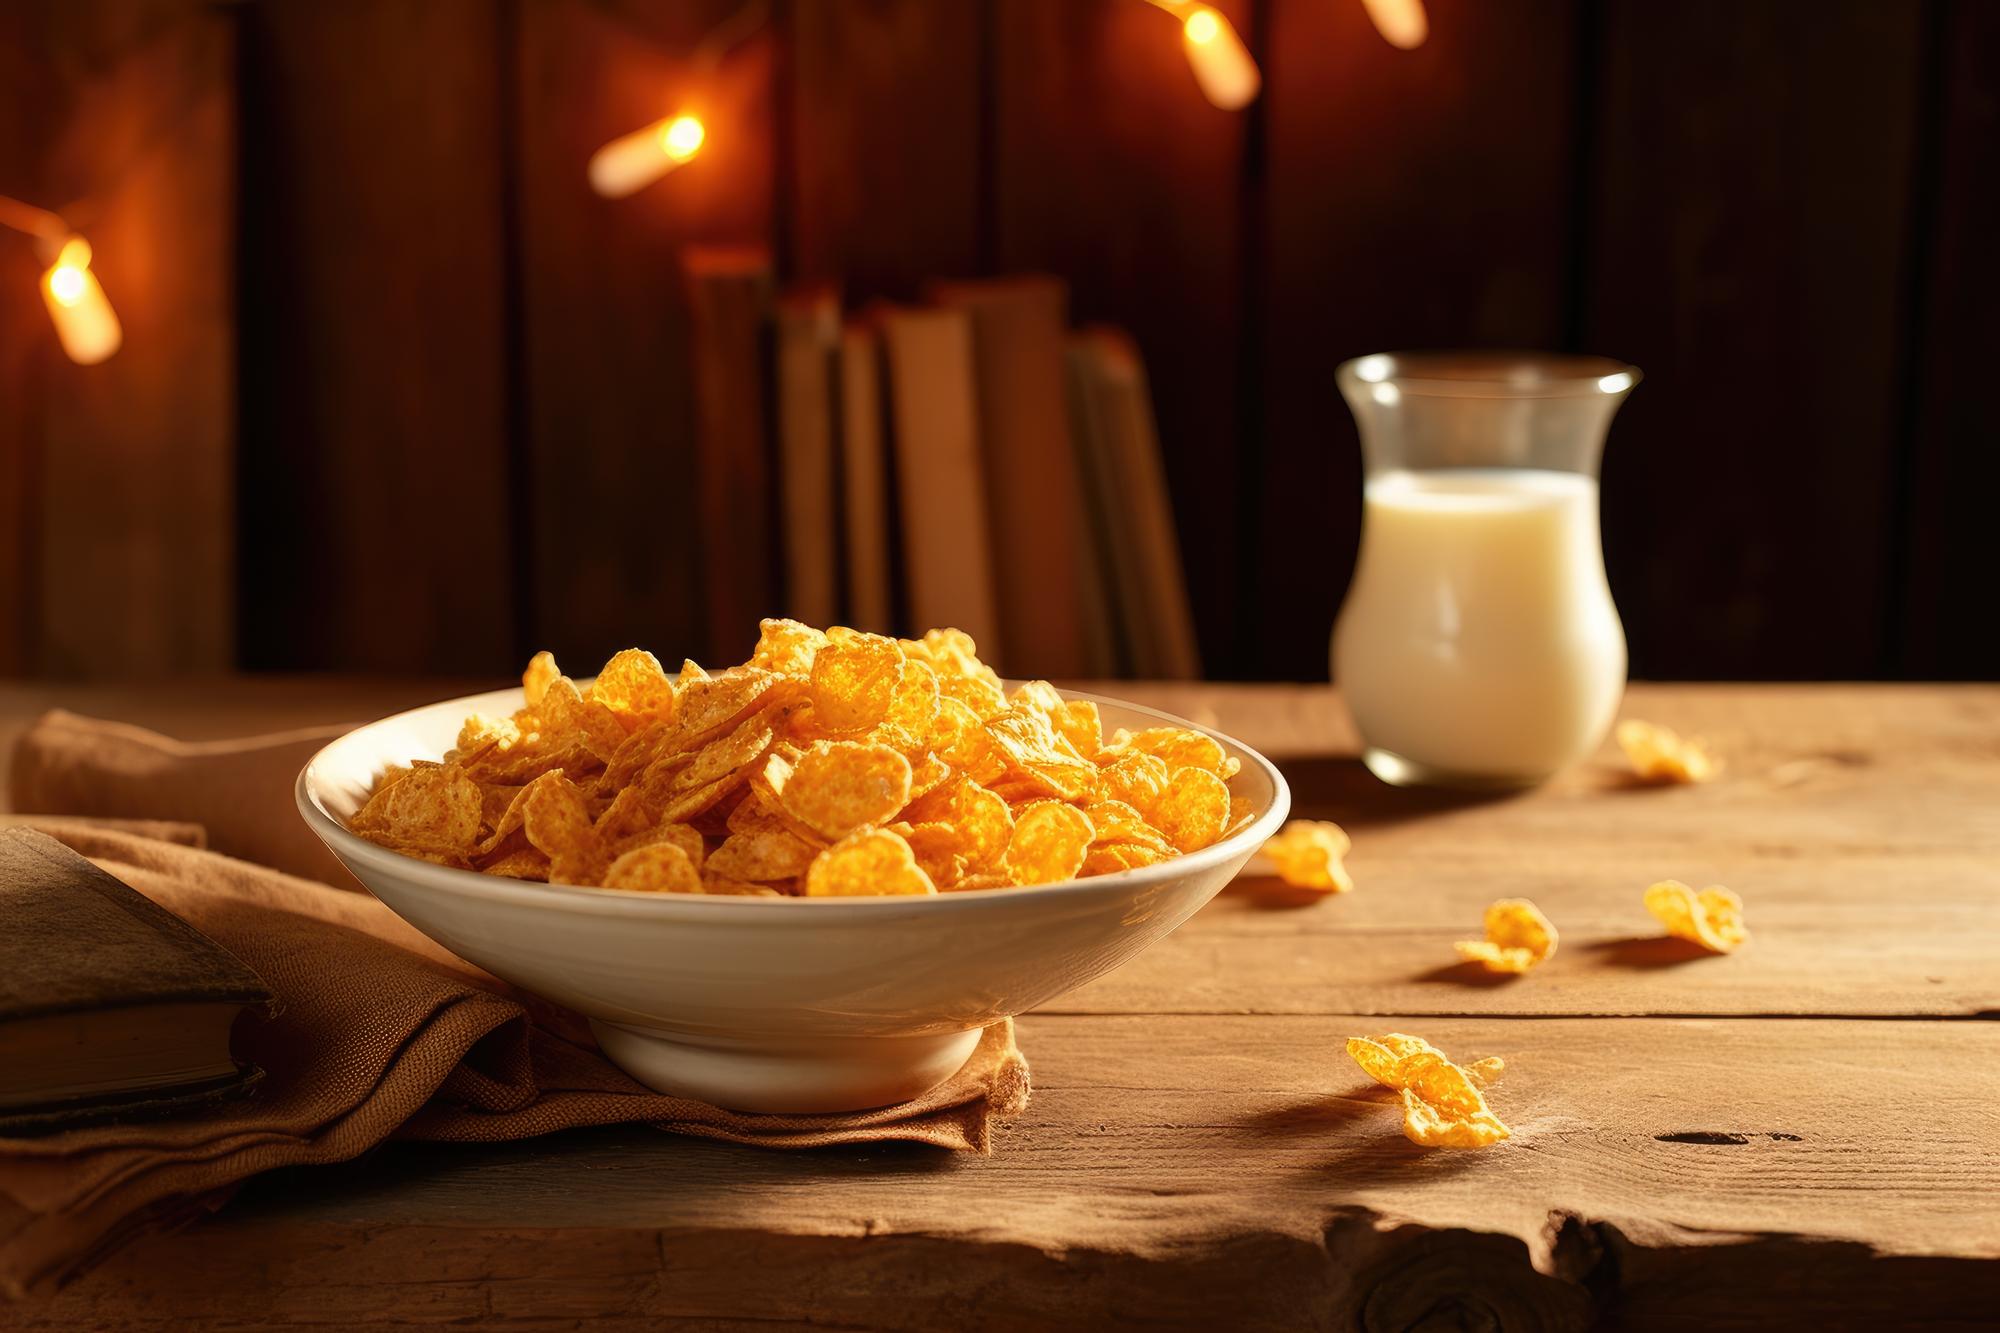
(1478, 645)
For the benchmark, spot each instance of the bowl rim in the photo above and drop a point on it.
(624, 903)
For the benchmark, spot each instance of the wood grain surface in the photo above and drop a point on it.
(1802, 1132)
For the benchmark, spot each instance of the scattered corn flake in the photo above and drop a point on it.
(1310, 854)
(1443, 1106)
(1518, 937)
(1658, 754)
(1712, 918)
(1485, 1073)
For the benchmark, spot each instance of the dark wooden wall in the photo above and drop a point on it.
(369, 297)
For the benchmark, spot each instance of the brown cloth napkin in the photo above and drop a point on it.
(240, 791)
(377, 1033)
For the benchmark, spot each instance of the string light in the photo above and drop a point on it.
(1402, 23)
(85, 322)
(1222, 65)
(633, 161)
(86, 325)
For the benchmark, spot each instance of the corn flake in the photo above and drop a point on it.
(869, 862)
(1712, 918)
(1193, 810)
(1518, 937)
(1443, 1106)
(1309, 854)
(786, 647)
(1180, 748)
(1658, 754)
(763, 855)
(854, 679)
(827, 763)
(1049, 844)
(634, 688)
(436, 808)
(660, 867)
(836, 787)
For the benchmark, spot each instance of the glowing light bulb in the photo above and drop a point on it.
(1224, 69)
(633, 161)
(1402, 23)
(681, 139)
(85, 322)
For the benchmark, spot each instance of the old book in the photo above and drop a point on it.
(940, 484)
(729, 300)
(1134, 515)
(864, 473)
(808, 341)
(109, 1004)
(1034, 501)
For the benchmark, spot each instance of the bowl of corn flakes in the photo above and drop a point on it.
(803, 883)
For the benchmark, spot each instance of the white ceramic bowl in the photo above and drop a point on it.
(777, 1004)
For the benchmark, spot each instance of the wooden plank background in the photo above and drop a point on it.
(400, 394)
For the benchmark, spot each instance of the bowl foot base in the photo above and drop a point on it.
(786, 1076)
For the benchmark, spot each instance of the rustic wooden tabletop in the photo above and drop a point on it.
(1806, 1130)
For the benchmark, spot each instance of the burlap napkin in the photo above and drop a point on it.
(377, 1034)
(239, 791)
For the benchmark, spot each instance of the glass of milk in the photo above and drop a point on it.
(1478, 646)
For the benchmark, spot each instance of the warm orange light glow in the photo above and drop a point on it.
(681, 139)
(1402, 23)
(84, 320)
(633, 161)
(1224, 69)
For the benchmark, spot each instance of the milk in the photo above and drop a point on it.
(1479, 642)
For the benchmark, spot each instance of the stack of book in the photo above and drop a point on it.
(972, 461)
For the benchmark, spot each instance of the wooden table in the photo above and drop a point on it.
(1804, 1131)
